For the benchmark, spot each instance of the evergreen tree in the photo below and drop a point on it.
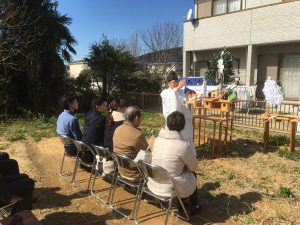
(110, 65)
(228, 60)
(34, 43)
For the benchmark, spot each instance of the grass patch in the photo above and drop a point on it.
(279, 140)
(284, 153)
(36, 128)
(284, 192)
(17, 136)
(248, 219)
(152, 123)
(44, 127)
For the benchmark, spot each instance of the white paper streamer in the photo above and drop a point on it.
(272, 92)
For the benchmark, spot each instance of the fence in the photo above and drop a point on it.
(146, 101)
(247, 113)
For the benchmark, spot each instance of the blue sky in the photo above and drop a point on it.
(117, 19)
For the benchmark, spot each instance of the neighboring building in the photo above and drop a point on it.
(168, 60)
(76, 67)
(263, 34)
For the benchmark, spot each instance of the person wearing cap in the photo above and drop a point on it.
(171, 102)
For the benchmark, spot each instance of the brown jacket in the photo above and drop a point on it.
(129, 140)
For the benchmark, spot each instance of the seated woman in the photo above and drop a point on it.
(173, 154)
(114, 119)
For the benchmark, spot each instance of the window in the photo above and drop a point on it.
(234, 5)
(224, 6)
(236, 66)
(290, 75)
(219, 7)
(201, 68)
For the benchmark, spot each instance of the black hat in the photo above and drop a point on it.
(172, 76)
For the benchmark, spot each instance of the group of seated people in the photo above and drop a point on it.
(118, 130)
(14, 187)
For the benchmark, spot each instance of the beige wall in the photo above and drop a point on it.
(258, 3)
(76, 68)
(271, 24)
(280, 48)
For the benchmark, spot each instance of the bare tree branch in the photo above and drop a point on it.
(163, 40)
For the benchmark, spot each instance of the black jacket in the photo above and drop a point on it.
(94, 126)
(109, 133)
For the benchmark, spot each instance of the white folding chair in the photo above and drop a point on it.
(158, 173)
(127, 163)
(82, 148)
(68, 142)
(103, 153)
(5, 208)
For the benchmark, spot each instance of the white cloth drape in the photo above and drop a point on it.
(290, 75)
(171, 102)
(219, 7)
(234, 5)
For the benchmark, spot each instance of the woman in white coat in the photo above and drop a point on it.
(173, 154)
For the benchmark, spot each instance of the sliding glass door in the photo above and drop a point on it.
(290, 76)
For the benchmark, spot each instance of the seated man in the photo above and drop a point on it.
(94, 123)
(128, 140)
(3, 155)
(173, 154)
(94, 127)
(9, 167)
(67, 123)
(17, 188)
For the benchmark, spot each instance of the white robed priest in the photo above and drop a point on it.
(171, 102)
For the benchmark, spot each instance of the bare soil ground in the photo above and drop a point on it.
(247, 186)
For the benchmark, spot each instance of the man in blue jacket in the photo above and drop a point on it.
(67, 124)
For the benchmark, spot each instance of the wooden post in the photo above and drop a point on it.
(293, 135)
(199, 128)
(266, 132)
(220, 137)
(227, 126)
(204, 126)
(143, 101)
(214, 139)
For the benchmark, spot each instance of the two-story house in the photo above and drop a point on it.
(263, 34)
(75, 67)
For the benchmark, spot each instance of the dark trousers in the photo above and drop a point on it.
(23, 186)
(71, 150)
(9, 167)
(193, 199)
(4, 155)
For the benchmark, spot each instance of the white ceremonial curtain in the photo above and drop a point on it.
(219, 7)
(290, 75)
(234, 5)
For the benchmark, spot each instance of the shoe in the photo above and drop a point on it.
(194, 210)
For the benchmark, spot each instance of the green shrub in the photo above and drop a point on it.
(284, 192)
(16, 136)
(284, 153)
(278, 140)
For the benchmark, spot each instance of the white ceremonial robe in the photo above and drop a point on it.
(171, 102)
